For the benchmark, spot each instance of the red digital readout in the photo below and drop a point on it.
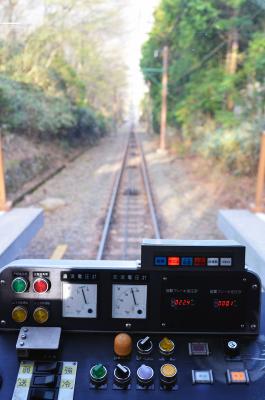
(225, 303)
(182, 303)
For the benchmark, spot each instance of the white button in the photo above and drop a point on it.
(227, 262)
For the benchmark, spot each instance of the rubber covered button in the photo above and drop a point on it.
(123, 345)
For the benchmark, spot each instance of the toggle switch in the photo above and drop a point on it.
(45, 380)
(122, 375)
(144, 346)
(123, 345)
(40, 394)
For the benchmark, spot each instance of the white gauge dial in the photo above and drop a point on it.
(79, 300)
(129, 301)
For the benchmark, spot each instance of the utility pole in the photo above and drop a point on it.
(2, 179)
(163, 123)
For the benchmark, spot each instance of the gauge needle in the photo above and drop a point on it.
(133, 297)
(84, 295)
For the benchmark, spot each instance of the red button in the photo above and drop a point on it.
(199, 261)
(173, 261)
(41, 285)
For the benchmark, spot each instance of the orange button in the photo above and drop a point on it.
(173, 261)
(237, 376)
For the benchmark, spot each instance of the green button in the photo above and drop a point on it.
(98, 371)
(19, 285)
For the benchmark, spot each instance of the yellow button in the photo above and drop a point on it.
(19, 314)
(41, 315)
(168, 370)
(166, 346)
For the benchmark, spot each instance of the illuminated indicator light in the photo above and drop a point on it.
(166, 346)
(173, 261)
(226, 262)
(19, 285)
(160, 261)
(19, 314)
(40, 285)
(237, 376)
(199, 261)
(186, 261)
(168, 370)
(213, 262)
(202, 376)
(41, 315)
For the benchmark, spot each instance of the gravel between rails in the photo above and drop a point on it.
(187, 208)
(85, 185)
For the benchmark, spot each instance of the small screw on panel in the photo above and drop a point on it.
(21, 344)
(244, 279)
(25, 329)
(2, 282)
(254, 287)
(128, 325)
(3, 322)
(23, 336)
(253, 326)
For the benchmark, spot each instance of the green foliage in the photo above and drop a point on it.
(29, 111)
(203, 81)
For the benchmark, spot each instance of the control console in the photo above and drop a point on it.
(183, 322)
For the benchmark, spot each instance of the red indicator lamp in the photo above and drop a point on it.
(41, 285)
(199, 261)
(173, 261)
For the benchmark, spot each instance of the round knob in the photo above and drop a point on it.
(166, 346)
(232, 348)
(98, 374)
(123, 345)
(168, 374)
(145, 345)
(145, 375)
(122, 375)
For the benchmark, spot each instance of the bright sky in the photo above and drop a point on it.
(138, 18)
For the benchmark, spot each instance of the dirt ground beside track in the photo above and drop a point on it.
(85, 186)
(188, 194)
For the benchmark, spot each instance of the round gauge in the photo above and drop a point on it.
(129, 301)
(79, 300)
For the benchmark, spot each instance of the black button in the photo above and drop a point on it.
(232, 348)
(45, 380)
(39, 394)
(51, 367)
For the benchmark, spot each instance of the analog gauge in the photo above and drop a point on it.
(79, 300)
(129, 301)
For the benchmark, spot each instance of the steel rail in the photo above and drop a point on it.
(148, 190)
(113, 198)
(115, 191)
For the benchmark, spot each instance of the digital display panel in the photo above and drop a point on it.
(225, 304)
(183, 303)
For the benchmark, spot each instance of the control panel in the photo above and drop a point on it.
(74, 330)
(112, 296)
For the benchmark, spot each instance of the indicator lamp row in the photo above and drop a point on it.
(20, 314)
(21, 285)
(193, 261)
(122, 375)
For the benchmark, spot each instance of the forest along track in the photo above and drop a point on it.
(131, 213)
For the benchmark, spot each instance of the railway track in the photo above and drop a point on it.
(131, 213)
